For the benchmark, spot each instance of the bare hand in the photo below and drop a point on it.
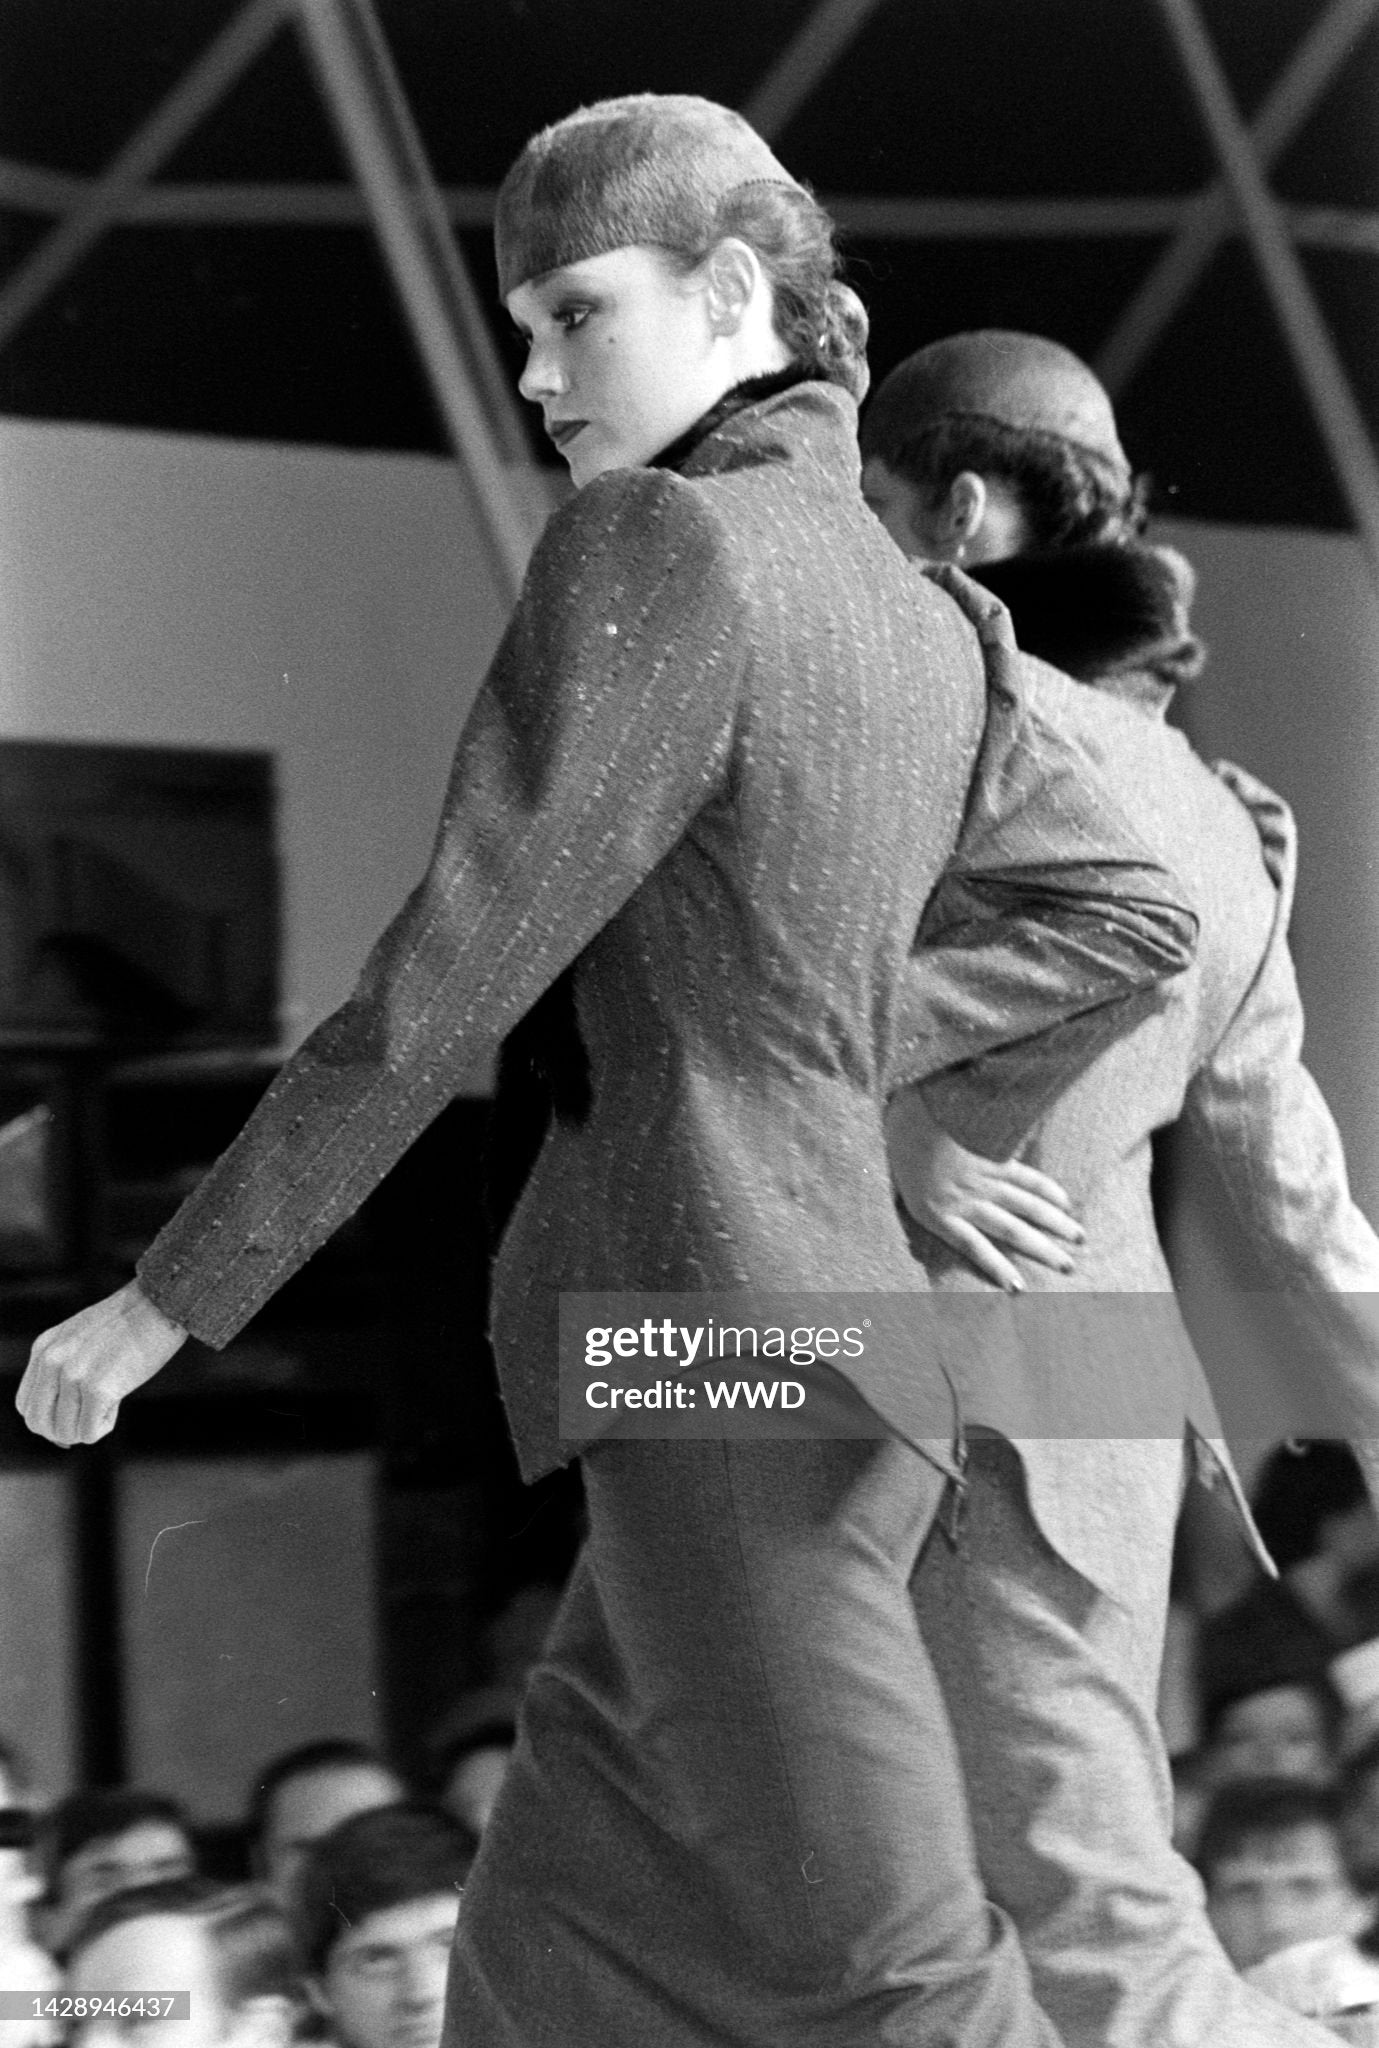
(974, 1204)
(79, 1372)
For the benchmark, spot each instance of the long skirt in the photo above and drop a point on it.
(736, 1813)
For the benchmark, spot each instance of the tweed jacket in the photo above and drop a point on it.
(1221, 1055)
(721, 757)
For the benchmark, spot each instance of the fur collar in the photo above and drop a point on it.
(752, 391)
(1106, 614)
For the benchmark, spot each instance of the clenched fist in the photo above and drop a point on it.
(80, 1371)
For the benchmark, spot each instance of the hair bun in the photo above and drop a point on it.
(842, 342)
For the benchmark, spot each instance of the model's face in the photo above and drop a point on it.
(145, 1854)
(385, 1977)
(1276, 1733)
(306, 1808)
(622, 357)
(977, 519)
(1280, 1889)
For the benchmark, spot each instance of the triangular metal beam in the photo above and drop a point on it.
(1338, 417)
(804, 63)
(300, 204)
(355, 72)
(1210, 217)
(209, 79)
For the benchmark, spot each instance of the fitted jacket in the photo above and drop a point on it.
(1220, 1056)
(720, 759)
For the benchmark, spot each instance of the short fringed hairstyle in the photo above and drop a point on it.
(372, 1862)
(1246, 1808)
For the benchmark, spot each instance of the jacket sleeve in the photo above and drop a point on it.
(1259, 1119)
(602, 727)
(1051, 929)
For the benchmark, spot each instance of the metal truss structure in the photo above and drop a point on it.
(394, 191)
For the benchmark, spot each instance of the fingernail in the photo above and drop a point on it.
(1065, 1266)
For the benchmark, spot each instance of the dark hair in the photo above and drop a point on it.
(1300, 1485)
(251, 1941)
(304, 1762)
(375, 1860)
(820, 319)
(1250, 1681)
(1251, 1807)
(1359, 1766)
(493, 1734)
(1070, 496)
(98, 1816)
(18, 1827)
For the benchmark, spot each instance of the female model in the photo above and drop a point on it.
(720, 760)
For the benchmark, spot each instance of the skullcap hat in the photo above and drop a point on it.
(1022, 381)
(651, 168)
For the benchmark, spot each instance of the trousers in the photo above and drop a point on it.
(822, 1755)
(1052, 1693)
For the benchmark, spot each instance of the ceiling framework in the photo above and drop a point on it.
(101, 202)
(427, 269)
(1328, 390)
(803, 66)
(1209, 218)
(414, 220)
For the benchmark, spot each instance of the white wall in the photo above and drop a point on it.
(334, 608)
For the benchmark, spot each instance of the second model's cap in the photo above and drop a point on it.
(1024, 381)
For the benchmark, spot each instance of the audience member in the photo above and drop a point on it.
(300, 1796)
(103, 1842)
(1355, 1675)
(229, 1946)
(1358, 1801)
(474, 1744)
(1277, 1715)
(1331, 1978)
(377, 1903)
(1269, 1854)
(1314, 1514)
(24, 1966)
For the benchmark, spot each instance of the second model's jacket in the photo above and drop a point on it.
(1219, 1055)
(720, 759)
